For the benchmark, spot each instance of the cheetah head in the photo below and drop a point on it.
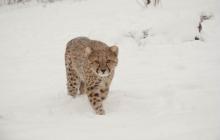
(103, 62)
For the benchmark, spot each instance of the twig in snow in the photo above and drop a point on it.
(203, 17)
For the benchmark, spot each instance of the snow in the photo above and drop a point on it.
(166, 84)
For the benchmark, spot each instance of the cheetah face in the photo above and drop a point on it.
(103, 62)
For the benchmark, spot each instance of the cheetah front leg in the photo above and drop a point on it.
(104, 93)
(96, 102)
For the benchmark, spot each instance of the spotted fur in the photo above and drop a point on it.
(90, 67)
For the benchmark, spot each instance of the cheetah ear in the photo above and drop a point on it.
(88, 51)
(114, 49)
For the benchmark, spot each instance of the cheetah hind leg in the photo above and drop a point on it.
(73, 82)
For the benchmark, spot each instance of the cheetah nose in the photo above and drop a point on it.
(103, 70)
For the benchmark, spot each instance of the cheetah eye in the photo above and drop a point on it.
(96, 61)
(108, 61)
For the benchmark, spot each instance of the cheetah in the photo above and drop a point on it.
(90, 67)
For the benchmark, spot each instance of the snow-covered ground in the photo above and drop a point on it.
(166, 87)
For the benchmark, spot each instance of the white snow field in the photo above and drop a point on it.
(166, 87)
